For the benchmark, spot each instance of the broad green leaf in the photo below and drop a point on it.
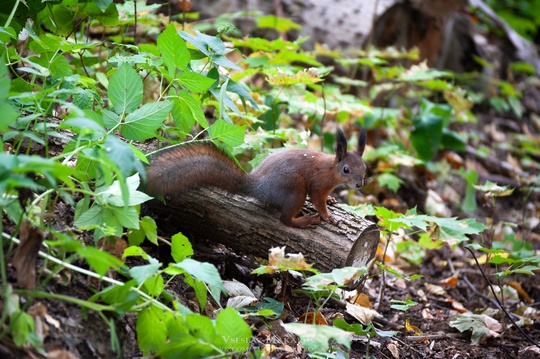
(100, 261)
(124, 156)
(469, 202)
(204, 272)
(113, 194)
(452, 140)
(151, 330)
(174, 50)
(180, 247)
(125, 90)
(102, 4)
(90, 218)
(176, 326)
(134, 250)
(338, 276)
(200, 290)
(21, 326)
(426, 137)
(474, 322)
(142, 124)
(211, 46)
(315, 337)
(109, 17)
(148, 225)
(154, 285)
(201, 327)
(143, 272)
(232, 332)
(389, 180)
(186, 111)
(454, 230)
(127, 217)
(230, 134)
(357, 329)
(277, 23)
(195, 82)
(9, 113)
(110, 119)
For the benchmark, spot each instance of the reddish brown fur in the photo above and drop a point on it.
(282, 180)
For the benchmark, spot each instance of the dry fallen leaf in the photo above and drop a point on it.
(363, 300)
(24, 259)
(313, 318)
(363, 315)
(450, 281)
(435, 289)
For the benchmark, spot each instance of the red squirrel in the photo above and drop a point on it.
(282, 180)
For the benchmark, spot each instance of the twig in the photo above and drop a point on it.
(499, 303)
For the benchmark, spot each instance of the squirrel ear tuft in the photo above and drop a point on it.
(341, 145)
(361, 142)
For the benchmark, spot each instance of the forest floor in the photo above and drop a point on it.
(451, 283)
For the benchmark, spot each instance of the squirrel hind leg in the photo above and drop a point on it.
(301, 222)
(289, 212)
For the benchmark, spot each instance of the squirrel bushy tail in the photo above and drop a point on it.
(186, 167)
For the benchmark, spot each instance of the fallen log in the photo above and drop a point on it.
(242, 224)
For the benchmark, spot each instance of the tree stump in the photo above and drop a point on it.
(244, 225)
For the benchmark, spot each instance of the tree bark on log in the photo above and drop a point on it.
(245, 226)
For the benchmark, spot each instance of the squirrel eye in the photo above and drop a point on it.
(346, 169)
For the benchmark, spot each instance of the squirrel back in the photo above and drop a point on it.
(282, 180)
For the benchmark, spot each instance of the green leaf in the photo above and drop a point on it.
(205, 272)
(151, 330)
(113, 194)
(232, 331)
(100, 261)
(142, 124)
(338, 276)
(154, 285)
(149, 226)
(120, 296)
(452, 140)
(90, 218)
(315, 337)
(174, 50)
(211, 46)
(21, 326)
(357, 329)
(134, 250)
(9, 114)
(143, 272)
(123, 155)
(454, 230)
(426, 137)
(389, 180)
(125, 90)
(127, 217)
(180, 247)
(402, 305)
(474, 322)
(469, 202)
(230, 134)
(277, 23)
(195, 82)
(186, 110)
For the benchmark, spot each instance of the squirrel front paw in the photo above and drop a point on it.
(331, 200)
